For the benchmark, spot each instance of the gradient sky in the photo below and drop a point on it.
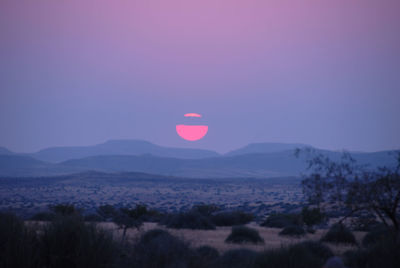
(325, 73)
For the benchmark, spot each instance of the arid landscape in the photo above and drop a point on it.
(199, 134)
(216, 238)
(91, 190)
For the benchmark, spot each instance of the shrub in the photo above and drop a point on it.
(152, 215)
(64, 209)
(205, 209)
(207, 252)
(188, 220)
(237, 258)
(69, 242)
(293, 230)
(310, 230)
(379, 234)
(282, 220)
(338, 233)
(365, 223)
(43, 216)
(317, 248)
(93, 217)
(312, 216)
(158, 248)
(243, 234)
(107, 212)
(356, 258)
(18, 244)
(232, 218)
(127, 218)
(384, 253)
(307, 254)
(206, 257)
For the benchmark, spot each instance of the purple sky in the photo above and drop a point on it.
(325, 73)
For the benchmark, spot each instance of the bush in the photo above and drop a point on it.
(152, 215)
(64, 209)
(365, 223)
(243, 234)
(293, 230)
(380, 234)
(237, 258)
(158, 248)
(93, 217)
(188, 220)
(232, 218)
(43, 216)
(127, 218)
(282, 220)
(69, 242)
(307, 254)
(338, 233)
(18, 244)
(317, 248)
(208, 252)
(107, 212)
(205, 209)
(206, 257)
(312, 216)
(384, 253)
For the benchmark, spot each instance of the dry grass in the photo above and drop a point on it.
(216, 238)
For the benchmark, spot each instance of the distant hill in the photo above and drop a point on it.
(247, 165)
(120, 147)
(266, 147)
(18, 165)
(118, 156)
(4, 150)
(277, 164)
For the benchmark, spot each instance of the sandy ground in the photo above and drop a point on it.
(216, 238)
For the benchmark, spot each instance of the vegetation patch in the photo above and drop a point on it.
(339, 233)
(243, 234)
(380, 234)
(158, 248)
(237, 258)
(306, 254)
(293, 230)
(281, 220)
(188, 220)
(70, 242)
(383, 253)
(232, 218)
(19, 246)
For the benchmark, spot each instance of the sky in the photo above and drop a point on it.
(324, 73)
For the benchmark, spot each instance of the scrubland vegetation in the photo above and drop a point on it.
(65, 238)
(349, 214)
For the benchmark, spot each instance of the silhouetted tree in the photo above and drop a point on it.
(353, 187)
(64, 209)
(130, 218)
(107, 212)
(312, 216)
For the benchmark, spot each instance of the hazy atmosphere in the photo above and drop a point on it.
(325, 73)
(199, 134)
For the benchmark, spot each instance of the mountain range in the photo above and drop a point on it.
(253, 160)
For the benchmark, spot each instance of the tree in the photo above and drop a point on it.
(312, 216)
(130, 218)
(353, 187)
(107, 212)
(64, 209)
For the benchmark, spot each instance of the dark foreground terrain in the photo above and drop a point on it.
(69, 240)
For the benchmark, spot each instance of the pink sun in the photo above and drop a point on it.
(192, 132)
